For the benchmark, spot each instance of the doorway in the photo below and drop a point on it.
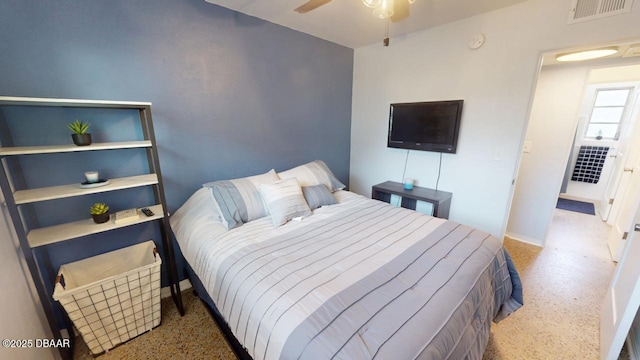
(560, 124)
(554, 125)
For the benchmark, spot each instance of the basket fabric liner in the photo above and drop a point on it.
(112, 297)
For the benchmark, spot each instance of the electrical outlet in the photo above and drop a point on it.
(499, 154)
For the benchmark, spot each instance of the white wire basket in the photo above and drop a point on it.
(112, 297)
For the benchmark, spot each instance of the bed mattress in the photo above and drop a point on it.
(358, 280)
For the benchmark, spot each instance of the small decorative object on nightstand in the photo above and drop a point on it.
(100, 213)
(408, 183)
(441, 200)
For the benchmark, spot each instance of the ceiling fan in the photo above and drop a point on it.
(383, 9)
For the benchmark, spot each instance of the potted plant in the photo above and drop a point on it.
(79, 133)
(100, 213)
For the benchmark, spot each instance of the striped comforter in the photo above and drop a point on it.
(357, 280)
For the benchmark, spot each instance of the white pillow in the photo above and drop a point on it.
(200, 208)
(285, 201)
(313, 173)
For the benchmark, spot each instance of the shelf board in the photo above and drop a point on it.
(53, 102)
(53, 149)
(57, 233)
(65, 191)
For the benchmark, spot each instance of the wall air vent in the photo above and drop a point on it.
(584, 10)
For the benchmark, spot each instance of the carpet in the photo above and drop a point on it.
(576, 206)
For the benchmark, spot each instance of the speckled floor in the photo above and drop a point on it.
(193, 336)
(564, 284)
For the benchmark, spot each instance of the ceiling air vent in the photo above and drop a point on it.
(632, 51)
(584, 10)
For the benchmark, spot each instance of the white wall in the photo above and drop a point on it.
(496, 82)
(615, 74)
(553, 121)
(22, 315)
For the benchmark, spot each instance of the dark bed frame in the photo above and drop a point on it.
(200, 291)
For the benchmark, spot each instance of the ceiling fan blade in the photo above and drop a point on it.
(310, 5)
(400, 10)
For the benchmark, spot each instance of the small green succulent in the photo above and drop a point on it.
(79, 127)
(99, 208)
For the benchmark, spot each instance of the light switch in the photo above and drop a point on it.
(499, 154)
(526, 148)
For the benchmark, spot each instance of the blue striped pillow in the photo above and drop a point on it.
(239, 199)
(317, 196)
(285, 201)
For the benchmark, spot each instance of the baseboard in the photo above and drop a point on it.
(523, 239)
(165, 292)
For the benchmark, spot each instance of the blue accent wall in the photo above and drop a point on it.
(232, 95)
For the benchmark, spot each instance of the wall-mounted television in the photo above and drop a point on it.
(428, 126)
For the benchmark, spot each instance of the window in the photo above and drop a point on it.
(607, 113)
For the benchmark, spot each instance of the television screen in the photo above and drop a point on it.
(429, 126)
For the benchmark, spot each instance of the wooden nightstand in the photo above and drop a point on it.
(441, 200)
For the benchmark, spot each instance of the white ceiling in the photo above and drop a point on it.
(350, 23)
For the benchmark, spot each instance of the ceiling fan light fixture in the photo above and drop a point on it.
(385, 10)
(372, 3)
(587, 54)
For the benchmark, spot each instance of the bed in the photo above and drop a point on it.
(351, 278)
